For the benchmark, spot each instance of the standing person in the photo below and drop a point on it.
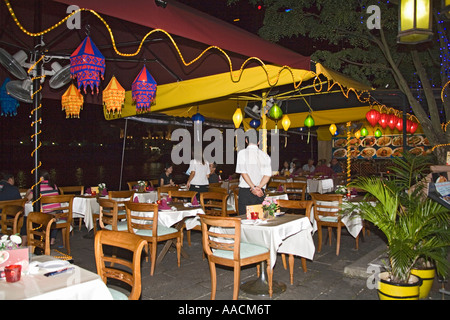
(8, 191)
(309, 167)
(47, 188)
(165, 180)
(213, 177)
(255, 168)
(198, 177)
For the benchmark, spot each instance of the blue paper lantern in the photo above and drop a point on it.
(255, 123)
(198, 118)
(8, 103)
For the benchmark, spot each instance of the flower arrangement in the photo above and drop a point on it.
(102, 186)
(10, 242)
(270, 206)
(141, 183)
(341, 189)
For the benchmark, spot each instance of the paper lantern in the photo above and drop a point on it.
(364, 132)
(198, 117)
(309, 121)
(332, 129)
(373, 116)
(392, 121)
(358, 134)
(378, 133)
(113, 96)
(408, 125)
(399, 124)
(87, 65)
(237, 118)
(275, 112)
(413, 128)
(72, 102)
(254, 123)
(143, 90)
(8, 104)
(383, 121)
(286, 122)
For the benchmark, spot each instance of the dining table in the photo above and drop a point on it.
(319, 185)
(75, 284)
(273, 195)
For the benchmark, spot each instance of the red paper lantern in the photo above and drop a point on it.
(383, 121)
(399, 124)
(408, 125)
(392, 121)
(373, 116)
(413, 128)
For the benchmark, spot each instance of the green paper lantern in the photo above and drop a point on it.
(309, 121)
(275, 112)
(378, 133)
(364, 132)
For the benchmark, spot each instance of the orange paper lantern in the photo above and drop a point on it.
(113, 96)
(72, 101)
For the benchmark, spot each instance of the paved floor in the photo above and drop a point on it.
(329, 277)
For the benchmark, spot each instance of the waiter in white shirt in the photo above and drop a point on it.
(255, 168)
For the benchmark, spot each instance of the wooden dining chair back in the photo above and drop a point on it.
(182, 196)
(142, 219)
(12, 213)
(39, 226)
(326, 214)
(216, 185)
(296, 207)
(109, 218)
(121, 197)
(154, 183)
(162, 190)
(61, 208)
(223, 246)
(117, 266)
(76, 190)
(214, 203)
(235, 193)
(217, 189)
(295, 190)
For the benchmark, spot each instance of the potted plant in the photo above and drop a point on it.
(417, 228)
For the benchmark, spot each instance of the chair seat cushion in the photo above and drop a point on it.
(117, 295)
(246, 250)
(121, 226)
(328, 218)
(162, 231)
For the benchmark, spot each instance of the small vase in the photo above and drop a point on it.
(268, 215)
(141, 188)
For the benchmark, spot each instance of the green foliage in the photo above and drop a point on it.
(416, 227)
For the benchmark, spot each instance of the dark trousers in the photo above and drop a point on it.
(247, 198)
(199, 189)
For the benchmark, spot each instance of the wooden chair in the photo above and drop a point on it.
(123, 240)
(235, 192)
(231, 252)
(142, 220)
(165, 190)
(295, 205)
(326, 214)
(182, 196)
(295, 190)
(215, 185)
(39, 226)
(214, 203)
(121, 197)
(12, 215)
(62, 214)
(109, 218)
(154, 183)
(75, 190)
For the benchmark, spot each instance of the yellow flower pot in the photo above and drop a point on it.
(427, 276)
(393, 291)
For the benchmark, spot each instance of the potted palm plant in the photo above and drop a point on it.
(417, 228)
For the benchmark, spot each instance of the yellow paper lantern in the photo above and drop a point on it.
(113, 96)
(358, 134)
(415, 23)
(72, 102)
(237, 117)
(286, 122)
(333, 129)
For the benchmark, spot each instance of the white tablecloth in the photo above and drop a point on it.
(168, 218)
(273, 196)
(320, 186)
(79, 284)
(84, 208)
(148, 197)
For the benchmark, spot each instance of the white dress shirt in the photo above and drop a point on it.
(254, 162)
(201, 172)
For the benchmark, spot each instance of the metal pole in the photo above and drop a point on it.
(123, 152)
(37, 110)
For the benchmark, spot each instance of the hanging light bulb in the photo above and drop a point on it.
(237, 118)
